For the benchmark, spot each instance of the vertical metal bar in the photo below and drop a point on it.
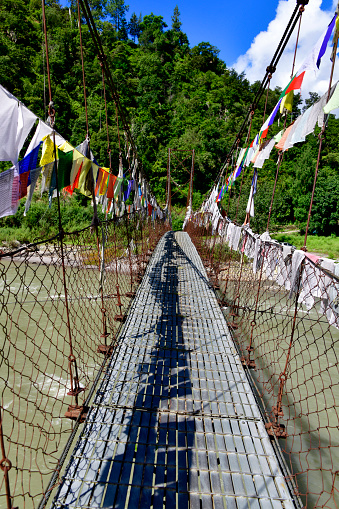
(5, 464)
(280, 158)
(129, 255)
(169, 196)
(276, 427)
(250, 362)
(320, 145)
(71, 358)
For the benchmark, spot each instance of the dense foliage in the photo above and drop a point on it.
(174, 95)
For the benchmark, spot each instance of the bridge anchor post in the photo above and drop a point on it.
(105, 349)
(119, 318)
(77, 411)
(275, 427)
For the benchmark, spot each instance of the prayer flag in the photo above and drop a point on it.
(287, 102)
(29, 162)
(16, 122)
(269, 121)
(34, 175)
(23, 179)
(313, 59)
(333, 103)
(294, 84)
(104, 181)
(326, 39)
(86, 165)
(48, 151)
(128, 190)
(65, 164)
(250, 203)
(220, 194)
(286, 98)
(117, 186)
(335, 37)
(74, 185)
(97, 186)
(281, 142)
(110, 187)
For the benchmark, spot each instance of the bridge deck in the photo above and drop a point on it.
(174, 422)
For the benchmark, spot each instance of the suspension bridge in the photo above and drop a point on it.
(174, 422)
(142, 367)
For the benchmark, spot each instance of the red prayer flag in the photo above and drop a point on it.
(109, 205)
(23, 184)
(110, 189)
(295, 83)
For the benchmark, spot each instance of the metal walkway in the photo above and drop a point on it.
(174, 423)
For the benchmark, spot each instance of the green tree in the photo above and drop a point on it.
(325, 209)
(151, 27)
(134, 26)
(313, 98)
(20, 40)
(172, 95)
(116, 10)
(176, 23)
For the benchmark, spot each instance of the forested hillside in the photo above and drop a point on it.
(174, 95)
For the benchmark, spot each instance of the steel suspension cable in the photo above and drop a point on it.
(106, 116)
(281, 153)
(74, 380)
(269, 70)
(102, 57)
(83, 68)
(321, 135)
(95, 219)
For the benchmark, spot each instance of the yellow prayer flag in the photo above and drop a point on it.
(82, 179)
(95, 169)
(48, 152)
(287, 102)
(104, 181)
(66, 147)
(335, 38)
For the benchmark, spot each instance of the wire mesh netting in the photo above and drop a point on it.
(63, 301)
(282, 305)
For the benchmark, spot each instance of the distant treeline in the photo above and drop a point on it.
(174, 96)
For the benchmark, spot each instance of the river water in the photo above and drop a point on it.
(34, 372)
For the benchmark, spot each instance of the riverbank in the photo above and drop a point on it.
(81, 257)
(327, 247)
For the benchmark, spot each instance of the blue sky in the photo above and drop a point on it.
(247, 32)
(227, 25)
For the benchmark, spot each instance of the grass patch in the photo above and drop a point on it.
(91, 256)
(326, 246)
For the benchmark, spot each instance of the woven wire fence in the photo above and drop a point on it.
(285, 323)
(62, 302)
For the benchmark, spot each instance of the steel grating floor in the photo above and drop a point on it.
(174, 422)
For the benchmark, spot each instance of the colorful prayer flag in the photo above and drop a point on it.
(326, 39)
(250, 203)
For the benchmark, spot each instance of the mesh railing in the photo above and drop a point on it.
(283, 308)
(62, 304)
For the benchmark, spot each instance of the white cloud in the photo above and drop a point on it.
(259, 55)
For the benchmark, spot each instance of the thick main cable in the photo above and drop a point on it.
(269, 71)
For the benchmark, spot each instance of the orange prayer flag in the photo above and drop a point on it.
(103, 185)
(98, 181)
(73, 186)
